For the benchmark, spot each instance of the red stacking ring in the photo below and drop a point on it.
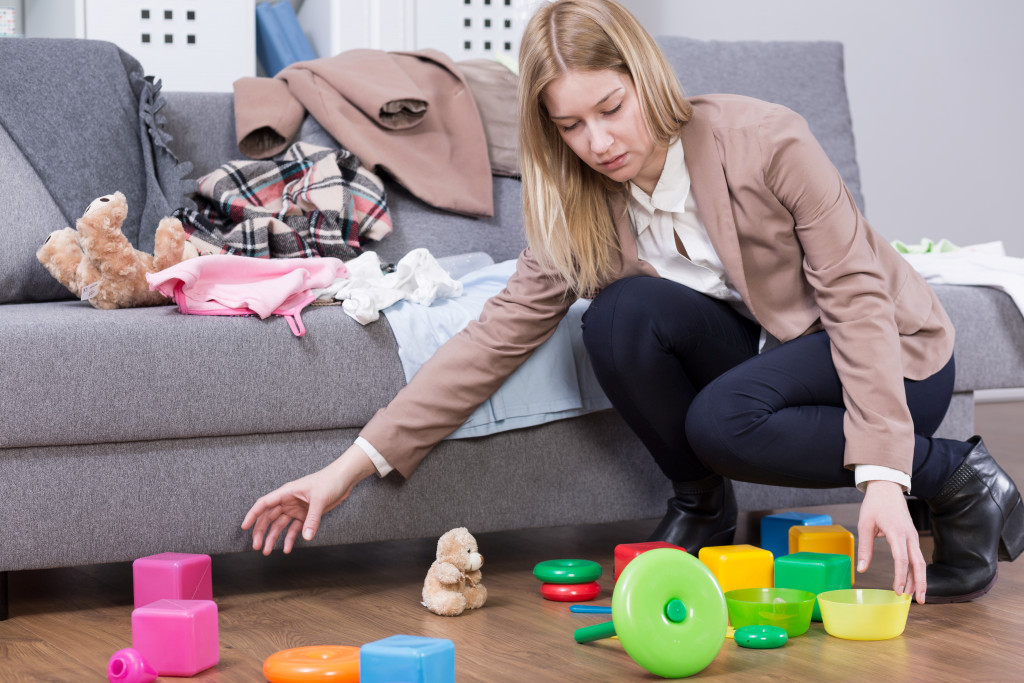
(570, 592)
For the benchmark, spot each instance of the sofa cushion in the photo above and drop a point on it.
(989, 349)
(77, 375)
(808, 77)
(91, 131)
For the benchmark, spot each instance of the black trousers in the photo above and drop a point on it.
(684, 372)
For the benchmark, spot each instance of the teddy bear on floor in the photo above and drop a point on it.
(453, 583)
(98, 263)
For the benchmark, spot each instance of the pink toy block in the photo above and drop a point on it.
(172, 576)
(627, 552)
(177, 637)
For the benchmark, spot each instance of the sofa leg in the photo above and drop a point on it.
(3, 596)
(920, 513)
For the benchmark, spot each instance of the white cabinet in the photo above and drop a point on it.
(192, 45)
(461, 28)
(466, 29)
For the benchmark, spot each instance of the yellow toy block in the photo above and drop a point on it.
(739, 566)
(831, 538)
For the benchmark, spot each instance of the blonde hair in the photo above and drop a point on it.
(565, 202)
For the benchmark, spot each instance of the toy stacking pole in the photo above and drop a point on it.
(590, 609)
(589, 634)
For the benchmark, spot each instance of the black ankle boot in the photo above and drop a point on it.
(977, 520)
(702, 513)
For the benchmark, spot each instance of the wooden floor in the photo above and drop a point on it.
(65, 623)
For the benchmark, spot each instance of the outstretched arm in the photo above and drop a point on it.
(299, 505)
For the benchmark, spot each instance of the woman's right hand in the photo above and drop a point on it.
(299, 505)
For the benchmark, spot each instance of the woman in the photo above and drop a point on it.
(747, 322)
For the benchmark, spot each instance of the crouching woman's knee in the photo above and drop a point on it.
(713, 433)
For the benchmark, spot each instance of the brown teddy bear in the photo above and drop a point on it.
(453, 583)
(98, 263)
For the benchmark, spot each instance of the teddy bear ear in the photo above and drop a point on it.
(99, 201)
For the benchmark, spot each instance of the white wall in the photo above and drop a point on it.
(935, 90)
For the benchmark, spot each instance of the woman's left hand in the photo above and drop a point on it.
(884, 513)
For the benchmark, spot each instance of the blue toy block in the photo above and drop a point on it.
(775, 529)
(415, 659)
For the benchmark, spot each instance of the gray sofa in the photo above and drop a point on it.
(132, 432)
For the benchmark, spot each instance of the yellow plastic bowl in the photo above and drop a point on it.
(787, 608)
(863, 613)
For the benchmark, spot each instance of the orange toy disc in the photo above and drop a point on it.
(335, 663)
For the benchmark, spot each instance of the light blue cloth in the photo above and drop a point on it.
(555, 383)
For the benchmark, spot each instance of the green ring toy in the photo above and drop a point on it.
(669, 613)
(567, 571)
(761, 637)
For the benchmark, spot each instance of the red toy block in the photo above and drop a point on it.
(627, 552)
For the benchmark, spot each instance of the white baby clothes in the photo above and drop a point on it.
(367, 290)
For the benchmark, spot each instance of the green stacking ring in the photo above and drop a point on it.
(669, 613)
(761, 637)
(567, 571)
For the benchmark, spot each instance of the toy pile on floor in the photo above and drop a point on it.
(672, 612)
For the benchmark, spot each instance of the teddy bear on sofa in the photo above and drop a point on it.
(98, 263)
(453, 583)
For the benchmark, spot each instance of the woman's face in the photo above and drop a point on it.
(598, 115)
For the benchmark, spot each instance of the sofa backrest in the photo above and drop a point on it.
(805, 76)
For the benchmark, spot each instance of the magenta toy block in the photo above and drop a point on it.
(177, 637)
(627, 552)
(172, 576)
(775, 529)
(411, 659)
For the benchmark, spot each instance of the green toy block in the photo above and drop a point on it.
(814, 572)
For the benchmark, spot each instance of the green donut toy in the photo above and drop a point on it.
(567, 571)
(669, 613)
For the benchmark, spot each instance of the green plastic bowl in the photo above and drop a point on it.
(787, 608)
(864, 613)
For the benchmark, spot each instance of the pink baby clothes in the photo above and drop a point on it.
(243, 285)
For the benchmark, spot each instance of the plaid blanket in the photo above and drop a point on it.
(313, 201)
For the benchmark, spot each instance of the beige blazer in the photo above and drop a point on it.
(409, 113)
(794, 245)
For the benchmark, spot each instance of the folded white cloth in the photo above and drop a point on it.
(367, 290)
(984, 265)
